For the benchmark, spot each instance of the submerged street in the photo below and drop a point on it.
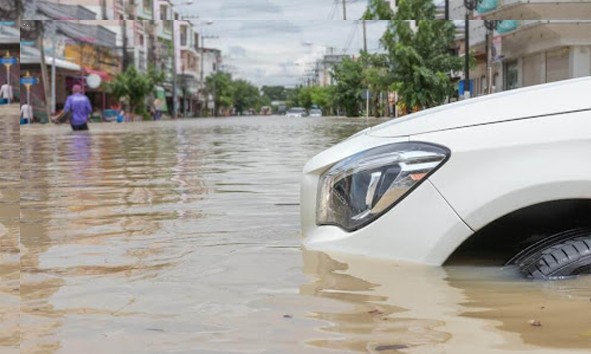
(184, 237)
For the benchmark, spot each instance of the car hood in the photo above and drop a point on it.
(531, 102)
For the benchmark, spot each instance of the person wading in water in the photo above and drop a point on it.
(79, 106)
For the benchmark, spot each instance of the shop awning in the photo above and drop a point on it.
(59, 63)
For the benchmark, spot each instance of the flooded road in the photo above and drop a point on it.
(183, 237)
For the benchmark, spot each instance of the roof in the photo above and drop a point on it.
(9, 35)
(31, 55)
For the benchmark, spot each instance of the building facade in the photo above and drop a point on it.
(142, 33)
(524, 49)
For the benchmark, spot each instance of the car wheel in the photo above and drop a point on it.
(562, 255)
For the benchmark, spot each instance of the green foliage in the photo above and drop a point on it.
(134, 87)
(293, 97)
(238, 94)
(219, 85)
(310, 96)
(378, 10)
(349, 86)
(245, 96)
(421, 59)
(275, 93)
(415, 10)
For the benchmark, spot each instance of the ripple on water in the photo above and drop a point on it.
(183, 237)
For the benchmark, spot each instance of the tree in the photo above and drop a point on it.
(349, 85)
(275, 93)
(135, 86)
(421, 59)
(378, 10)
(378, 78)
(322, 97)
(293, 96)
(219, 85)
(246, 96)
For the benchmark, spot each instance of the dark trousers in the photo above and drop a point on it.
(80, 127)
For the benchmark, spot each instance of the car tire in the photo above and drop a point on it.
(562, 255)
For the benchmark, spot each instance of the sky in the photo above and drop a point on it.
(274, 42)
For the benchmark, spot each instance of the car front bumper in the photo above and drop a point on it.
(422, 228)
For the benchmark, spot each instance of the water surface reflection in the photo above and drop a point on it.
(415, 309)
(184, 237)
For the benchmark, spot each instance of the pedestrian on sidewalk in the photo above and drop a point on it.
(79, 106)
(26, 114)
(6, 92)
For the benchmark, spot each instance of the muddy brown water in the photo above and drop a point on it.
(183, 237)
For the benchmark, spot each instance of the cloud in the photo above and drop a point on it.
(237, 51)
(269, 28)
(263, 40)
(243, 7)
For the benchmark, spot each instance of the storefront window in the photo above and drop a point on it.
(511, 75)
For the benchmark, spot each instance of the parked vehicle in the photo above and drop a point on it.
(315, 112)
(296, 112)
(502, 179)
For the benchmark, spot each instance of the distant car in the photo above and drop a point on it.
(296, 112)
(315, 112)
(496, 180)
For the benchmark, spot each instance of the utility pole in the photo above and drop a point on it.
(174, 76)
(104, 10)
(470, 6)
(490, 25)
(365, 65)
(447, 10)
(202, 57)
(345, 10)
(52, 32)
(364, 36)
(467, 54)
(44, 73)
(124, 37)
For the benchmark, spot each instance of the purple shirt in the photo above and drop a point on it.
(80, 107)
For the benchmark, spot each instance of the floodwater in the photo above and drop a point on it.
(183, 237)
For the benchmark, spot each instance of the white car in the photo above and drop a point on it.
(296, 112)
(501, 179)
(315, 112)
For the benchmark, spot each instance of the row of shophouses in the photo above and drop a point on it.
(102, 37)
(529, 42)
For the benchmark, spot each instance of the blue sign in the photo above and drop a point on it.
(7, 61)
(29, 80)
(27, 43)
(462, 87)
(7, 23)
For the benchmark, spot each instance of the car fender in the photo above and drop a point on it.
(498, 168)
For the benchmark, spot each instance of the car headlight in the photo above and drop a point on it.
(361, 188)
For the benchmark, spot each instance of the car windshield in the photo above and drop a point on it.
(315, 111)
